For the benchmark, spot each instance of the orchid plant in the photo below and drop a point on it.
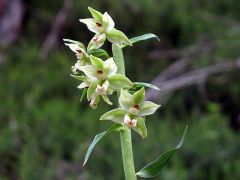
(101, 76)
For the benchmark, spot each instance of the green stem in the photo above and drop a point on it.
(125, 135)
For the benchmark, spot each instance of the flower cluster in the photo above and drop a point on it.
(100, 78)
(132, 111)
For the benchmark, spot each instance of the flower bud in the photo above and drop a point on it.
(96, 42)
(102, 90)
(94, 102)
(131, 123)
(77, 66)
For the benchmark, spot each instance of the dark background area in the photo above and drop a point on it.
(45, 130)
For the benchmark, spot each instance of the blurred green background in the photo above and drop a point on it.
(45, 130)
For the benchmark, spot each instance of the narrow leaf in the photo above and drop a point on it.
(98, 137)
(142, 84)
(142, 38)
(154, 168)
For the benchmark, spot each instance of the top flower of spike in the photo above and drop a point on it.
(103, 27)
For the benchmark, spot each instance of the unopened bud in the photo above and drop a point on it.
(93, 103)
(130, 122)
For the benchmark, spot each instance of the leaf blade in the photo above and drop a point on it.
(98, 137)
(154, 168)
(142, 38)
(142, 84)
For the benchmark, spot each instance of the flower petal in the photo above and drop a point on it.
(91, 25)
(148, 108)
(83, 85)
(110, 67)
(96, 42)
(89, 70)
(138, 96)
(108, 22)
(141, 127)
(125, 100)
(118, 81)
(106, 99)
(115, 115)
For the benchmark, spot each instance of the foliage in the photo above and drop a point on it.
(43, 123)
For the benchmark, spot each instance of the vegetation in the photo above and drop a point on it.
(45, 131)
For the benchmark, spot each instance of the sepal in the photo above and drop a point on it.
(119, 81)
(148, 108)
(118, 37)
(141, 127)
(115, 115)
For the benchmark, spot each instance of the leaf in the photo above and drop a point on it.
(154, 168)
(100, 53)
(142, 84)
(142, 38)
(98, 137)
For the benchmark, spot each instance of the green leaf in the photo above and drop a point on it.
(100, 53)
(142, 84)
(154, 168)
(142, 38)
(98, 137)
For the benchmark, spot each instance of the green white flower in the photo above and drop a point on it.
(132, 111)
(79, 49)
(102, 80)
(103, 26)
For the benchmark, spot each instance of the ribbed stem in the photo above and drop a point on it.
(125, 135)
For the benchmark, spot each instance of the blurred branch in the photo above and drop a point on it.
(57, 26)
(203, 46)
(11, 15)
(190, 78)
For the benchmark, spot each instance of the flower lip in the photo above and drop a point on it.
(98, 24)
(100, 75)
(79, 51)
(96, 39)
(131, 123)
(136, 106)
(99, 72)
